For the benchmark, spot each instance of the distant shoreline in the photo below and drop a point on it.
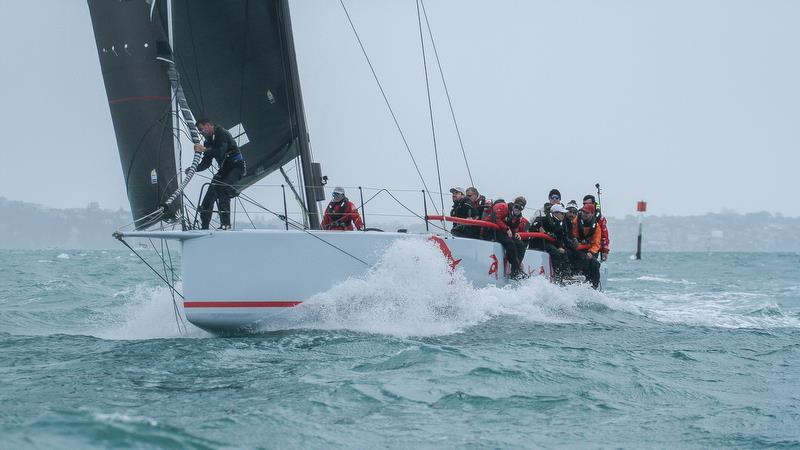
(28, 226)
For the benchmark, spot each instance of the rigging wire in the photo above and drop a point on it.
(430, 106)
(293, 223)
(388, 105)
(120, 237)
(447, 93)
(178, 318)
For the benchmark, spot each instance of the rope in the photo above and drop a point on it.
(120, 238)
(302, 228)
(178, 318)
(388, 105)
(447, 93)
(430, 107)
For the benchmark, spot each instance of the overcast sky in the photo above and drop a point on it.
(693, 106)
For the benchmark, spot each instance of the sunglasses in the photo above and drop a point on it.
(555, 197)
(337, 195)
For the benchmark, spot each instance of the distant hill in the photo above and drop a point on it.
(727, 231)
(30, 226)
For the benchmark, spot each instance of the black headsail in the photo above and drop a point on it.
(237, 64)
(126, 33)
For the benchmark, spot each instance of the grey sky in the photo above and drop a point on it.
(691, 105)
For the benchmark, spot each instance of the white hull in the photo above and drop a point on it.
(235, 280)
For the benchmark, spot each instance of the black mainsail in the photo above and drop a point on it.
(237, 67)
(138, 91)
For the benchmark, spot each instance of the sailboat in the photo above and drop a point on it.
(162, 61)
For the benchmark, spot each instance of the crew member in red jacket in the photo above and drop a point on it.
(605, 242)
(506, 237)
(341, 213)
(587, 232)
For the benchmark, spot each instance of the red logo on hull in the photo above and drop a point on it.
(494, 266)
(445, 251)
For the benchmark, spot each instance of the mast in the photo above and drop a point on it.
(311, 185)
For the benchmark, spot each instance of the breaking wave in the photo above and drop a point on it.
(147, 313)
(412, 292)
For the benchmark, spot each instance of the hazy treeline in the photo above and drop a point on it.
(30, 226)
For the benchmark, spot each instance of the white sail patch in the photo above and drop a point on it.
(239, 135)
(270, 97)
(153, 177)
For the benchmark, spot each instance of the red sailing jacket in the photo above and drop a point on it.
(605, 243)
(518, 224)
(341, 215)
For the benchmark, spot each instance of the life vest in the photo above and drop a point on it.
(482, 207)
(340, 214)
(513, 221)
(583, 235)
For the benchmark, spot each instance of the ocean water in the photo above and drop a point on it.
(684, 350)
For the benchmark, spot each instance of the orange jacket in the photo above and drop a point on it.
(591, 238)
(341, 215)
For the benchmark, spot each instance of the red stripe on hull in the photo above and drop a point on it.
(240, 304)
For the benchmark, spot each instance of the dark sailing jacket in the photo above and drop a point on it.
(558, 230)
(222, 148)
(341, 215)
(463, 208)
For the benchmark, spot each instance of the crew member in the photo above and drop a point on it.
(587, 233)
(555, 225)
(518, 224)
(554, 197)
(505, 237)
(219, 145)
(463, 209)
(572, 212)
(479, 202)
(605, 242)
(537, 225)
(341, 214)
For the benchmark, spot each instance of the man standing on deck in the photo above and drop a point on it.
(341, 214)
(219, 145)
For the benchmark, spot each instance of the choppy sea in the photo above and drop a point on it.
(684, 350)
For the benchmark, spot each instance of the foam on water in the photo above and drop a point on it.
(725, 310)
(663, 280)
(147, 313)
(412, 292)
